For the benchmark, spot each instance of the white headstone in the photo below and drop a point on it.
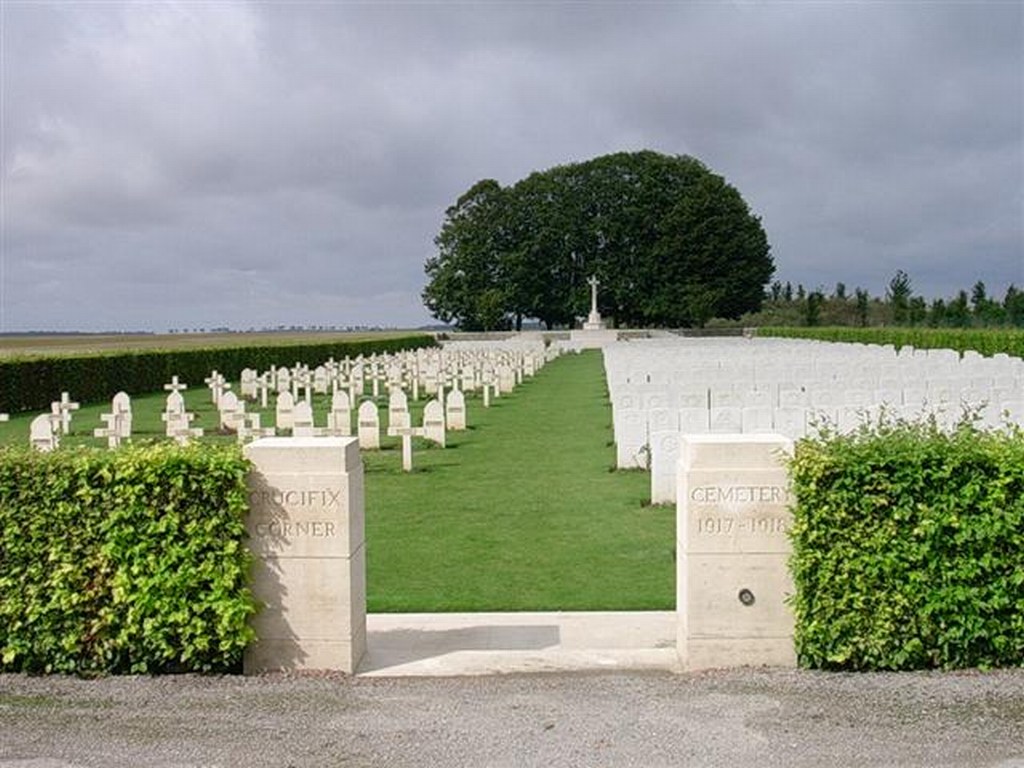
(232, 411)
(121, 406)
(455, 408)
(302, 421)
(433, 422)
(398, 409)
(369, 426)
(41, 434)
(339, 418)
(284, 410)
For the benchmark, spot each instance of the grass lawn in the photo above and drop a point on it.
(521, 512)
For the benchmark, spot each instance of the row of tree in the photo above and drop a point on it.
(786, 306)
(671, 243)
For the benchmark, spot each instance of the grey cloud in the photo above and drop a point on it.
(248, 164)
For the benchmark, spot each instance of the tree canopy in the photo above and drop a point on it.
(671, 243)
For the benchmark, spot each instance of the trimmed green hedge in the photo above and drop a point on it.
(985, 341)
(31, 384)
(123, 561)
(908, 548)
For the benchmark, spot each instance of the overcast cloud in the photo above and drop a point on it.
(206, 164)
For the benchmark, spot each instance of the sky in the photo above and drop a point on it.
(204, 164)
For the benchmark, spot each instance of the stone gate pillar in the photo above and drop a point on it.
(305, 531)
(733, 549)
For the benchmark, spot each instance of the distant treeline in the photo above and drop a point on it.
(786, 305)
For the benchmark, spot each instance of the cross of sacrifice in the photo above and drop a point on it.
(593, 282)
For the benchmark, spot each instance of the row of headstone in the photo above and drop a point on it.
(663, 389)
(490, 368)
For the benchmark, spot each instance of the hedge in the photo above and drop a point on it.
(908, 548)
(985, 341)
(31, 384)
(123, 561)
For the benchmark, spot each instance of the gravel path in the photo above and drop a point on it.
(727, 718)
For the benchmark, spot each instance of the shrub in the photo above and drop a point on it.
(908, 548)
(30, 384)
(123, 561)
(985, 341)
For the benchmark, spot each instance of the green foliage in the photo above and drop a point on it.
(898, 296)
(33, 383)
(124, 561)
(908, 548)
(672, 244)
(986, 341)
(900, 307)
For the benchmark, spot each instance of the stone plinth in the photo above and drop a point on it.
(305, 531)
(732, 565)
(593, 339)
(594, 322)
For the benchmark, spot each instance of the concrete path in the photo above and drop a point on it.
(442, 645)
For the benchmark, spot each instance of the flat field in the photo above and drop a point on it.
(23, 345)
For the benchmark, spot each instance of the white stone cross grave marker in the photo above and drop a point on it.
(111, 429)
(264, 383)
(175, 385)
(375, 378)
(250, 429)
(301, 378)
(218, 386)
(64, 407)
(407, 434)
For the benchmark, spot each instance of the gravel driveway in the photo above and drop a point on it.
(723, 718)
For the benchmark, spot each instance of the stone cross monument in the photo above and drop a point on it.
(594, 321)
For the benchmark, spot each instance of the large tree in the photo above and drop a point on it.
(467, 281)
(672, 244)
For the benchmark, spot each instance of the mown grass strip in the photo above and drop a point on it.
(521, 512)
